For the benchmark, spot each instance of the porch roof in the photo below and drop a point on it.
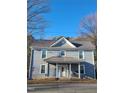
(62, 60)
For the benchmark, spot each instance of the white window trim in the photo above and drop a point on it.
(61, 51)
(78, 54)
(46, 54)
(45, 68)
(82, 54)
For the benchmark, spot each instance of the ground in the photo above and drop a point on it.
(64, 88)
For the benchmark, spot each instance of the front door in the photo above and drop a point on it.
(63, 71)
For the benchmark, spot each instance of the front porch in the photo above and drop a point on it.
(66, 67)
(67, 70)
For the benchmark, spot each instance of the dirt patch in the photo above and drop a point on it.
(53, 80)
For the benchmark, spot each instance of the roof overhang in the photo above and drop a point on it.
(67, 49)
(61, 60)
(58, 62)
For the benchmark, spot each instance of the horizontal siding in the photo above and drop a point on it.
(74, 54)
(36, 65)
(88, 56)
(38, 61)
(52, 53)
(52, 70)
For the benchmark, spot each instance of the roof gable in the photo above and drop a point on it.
(63, 42)
(72, 45)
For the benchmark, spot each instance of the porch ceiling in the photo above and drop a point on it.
(62, 60)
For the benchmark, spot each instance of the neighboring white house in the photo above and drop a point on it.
(62, 59)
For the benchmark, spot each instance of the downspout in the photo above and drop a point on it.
(31, 64)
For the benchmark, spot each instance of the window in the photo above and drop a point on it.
(81, 54)
(62, 53)
(44, 53)
(43, 69)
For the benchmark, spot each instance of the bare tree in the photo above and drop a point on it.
(88, 30)
(88, 27)
(35, 20)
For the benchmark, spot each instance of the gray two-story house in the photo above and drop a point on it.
(62, 59)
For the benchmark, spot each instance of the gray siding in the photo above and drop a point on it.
(38, 61)
(52, 70)
(37, 65)
(74, 54)
(89, 64)
(89, 57)
(52, 53)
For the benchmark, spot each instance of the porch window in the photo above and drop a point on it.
(43, 53)
(82, 69)
(42, 69)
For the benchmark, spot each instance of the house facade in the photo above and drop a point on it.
(62, 59)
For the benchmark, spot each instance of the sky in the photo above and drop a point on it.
(65, 15)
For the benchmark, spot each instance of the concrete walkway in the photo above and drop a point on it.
(63, 88)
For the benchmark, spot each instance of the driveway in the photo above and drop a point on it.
(65, 88)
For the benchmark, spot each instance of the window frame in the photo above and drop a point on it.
(82, 52)
(42, 53)
(60, 54)
(44, 68)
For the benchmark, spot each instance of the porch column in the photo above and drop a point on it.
(79, 70)
(56, 70)
(69, 70)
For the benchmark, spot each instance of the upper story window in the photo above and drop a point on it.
(81, 54)
(43, 52)
(62, 53)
